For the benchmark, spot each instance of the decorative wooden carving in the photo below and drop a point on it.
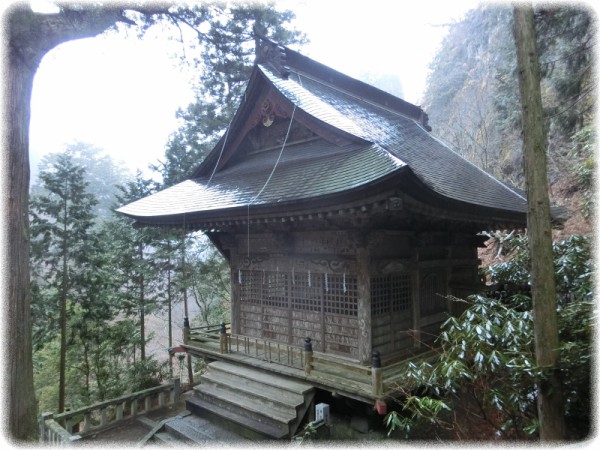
(273, 55)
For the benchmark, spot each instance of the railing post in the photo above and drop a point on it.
(45, 416)
(223, 338)
(176, 392)
(308, 355)
(376, 374)
(186, 330)
(87, 422)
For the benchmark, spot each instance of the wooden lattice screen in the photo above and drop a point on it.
(289, 306)
(390, 293)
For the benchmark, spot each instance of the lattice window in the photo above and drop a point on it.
(250, 286)
(277, 286)
(337, 294)
(341, 295)
(380, 303)
(390, 293)
(433, 288)
(400, 291)
(307, 292)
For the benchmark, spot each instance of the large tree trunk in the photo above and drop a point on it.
(539, 229)
(29, 37)
(22, 408)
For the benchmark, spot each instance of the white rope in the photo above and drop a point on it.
(287, 134)
(278, 158)
(219, 158)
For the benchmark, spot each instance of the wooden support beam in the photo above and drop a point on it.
(363, 274)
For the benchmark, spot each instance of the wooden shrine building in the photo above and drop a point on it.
(343, 220)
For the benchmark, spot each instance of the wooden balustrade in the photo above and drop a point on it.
(67, 427)
(217, 338)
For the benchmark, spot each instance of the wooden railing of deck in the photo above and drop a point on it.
(288, 355)
(67, 427)
(380, 378)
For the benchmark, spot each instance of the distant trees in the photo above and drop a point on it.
(102, 173)
(64, 246)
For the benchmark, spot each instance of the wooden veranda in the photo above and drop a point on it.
(332, 373)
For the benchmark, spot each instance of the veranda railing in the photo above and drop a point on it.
(220, 337)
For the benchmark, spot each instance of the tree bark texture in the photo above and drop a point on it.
(539, 229)
(22, 408)
(27, 38)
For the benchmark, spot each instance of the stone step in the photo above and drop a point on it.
(262, 377)
(265, 393)
(199, 430)
(165, 439)
(255, 407)
(236, 420)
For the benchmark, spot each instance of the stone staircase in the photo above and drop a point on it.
(190, 430)
(251, 402)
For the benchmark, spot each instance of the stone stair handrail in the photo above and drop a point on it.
(67, 427)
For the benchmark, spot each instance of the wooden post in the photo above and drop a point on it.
(176, 392)
(223, 338)
(415, 288)
(186, 330)
(376, 374)
(308, 356)
(363, 275)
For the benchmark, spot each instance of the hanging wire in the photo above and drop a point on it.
(287, 134)
(220, 154)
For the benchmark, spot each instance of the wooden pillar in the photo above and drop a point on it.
(186, 330)
(308, 356)
(235, 297)
(363, 275)
(376, 374)
(223, 338)
(415, 281)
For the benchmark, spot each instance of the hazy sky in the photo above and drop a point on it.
(120, 94)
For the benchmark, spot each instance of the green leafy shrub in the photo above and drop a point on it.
(485, 373)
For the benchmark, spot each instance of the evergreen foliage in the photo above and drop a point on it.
(102, 174)
(485, 375)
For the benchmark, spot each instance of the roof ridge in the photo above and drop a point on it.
(357, 97)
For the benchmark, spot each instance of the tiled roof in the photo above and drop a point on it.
(390, 138)
(303, 171)
(439, 167)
